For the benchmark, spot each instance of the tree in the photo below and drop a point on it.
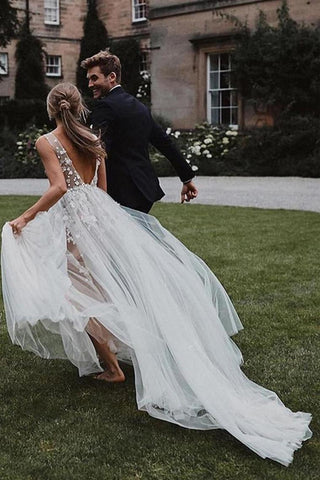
(9, 23)
(30, 76)
(128, 51)
(280, 65)
(95, 38)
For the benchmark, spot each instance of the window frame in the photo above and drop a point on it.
(54, 75)
(4, 71)
(56, 8)
(230, 89)
(144, 61)
(136, 4)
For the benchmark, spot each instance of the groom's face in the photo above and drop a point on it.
(98, 82)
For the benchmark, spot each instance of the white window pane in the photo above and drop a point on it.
(53, 66)
(215, 116)
(225, 80)
(3, 63)
(225, 116)
(214, 80)
(215, 99)
(51, 11)
(139, 9)
(214, 63)
(224, 61)
(222, 97)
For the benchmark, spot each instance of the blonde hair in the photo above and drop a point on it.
(65, 103)
(106, 61)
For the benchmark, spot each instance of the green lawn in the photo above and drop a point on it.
(57, 426)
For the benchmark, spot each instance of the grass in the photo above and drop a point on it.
(57, 426)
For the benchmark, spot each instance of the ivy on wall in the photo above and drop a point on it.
(279, 65)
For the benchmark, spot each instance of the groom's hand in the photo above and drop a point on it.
(188, 192)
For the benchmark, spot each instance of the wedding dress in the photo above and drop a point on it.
(87, 263)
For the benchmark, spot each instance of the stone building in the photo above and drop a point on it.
(59, 24)
(191, 45)
(185, 44)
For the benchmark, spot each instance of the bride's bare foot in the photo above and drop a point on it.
(113, 377)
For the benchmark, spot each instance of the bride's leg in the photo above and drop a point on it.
(113, 372)
(99, 335)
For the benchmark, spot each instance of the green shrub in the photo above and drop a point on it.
(18, 155)
(291, 148)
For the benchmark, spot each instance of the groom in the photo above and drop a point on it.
(127, 128)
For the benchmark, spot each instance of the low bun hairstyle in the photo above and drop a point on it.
(65, 103)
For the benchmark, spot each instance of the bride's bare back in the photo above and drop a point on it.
(84, 165)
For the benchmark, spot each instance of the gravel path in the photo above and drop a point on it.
(292, 193)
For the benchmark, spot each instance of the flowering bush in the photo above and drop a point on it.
(26, 152)
(205, 148)
(144, 89)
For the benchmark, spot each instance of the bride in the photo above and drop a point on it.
(88, 280)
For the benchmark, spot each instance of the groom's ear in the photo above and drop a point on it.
(113, 76)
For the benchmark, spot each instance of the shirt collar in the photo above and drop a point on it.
(116, 86)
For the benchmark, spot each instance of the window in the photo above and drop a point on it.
(53, 66)
(51, 12)
(144, 61)
(139, 10)
(222, 97)
(4, 64)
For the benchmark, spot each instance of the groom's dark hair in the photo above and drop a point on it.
(106, 61)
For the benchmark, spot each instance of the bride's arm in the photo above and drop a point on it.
(55, 191)
(102, 176)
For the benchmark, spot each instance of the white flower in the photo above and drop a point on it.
(168, 131)
(196, 143)
(177, 134)
(188, 161)
(194, 168)
(205, 152)
(188, 156)
(225, 141)
(139, 95)
(197, 152)
(19, 143)
(228, 132)
(207, 141)
(20, 147)
(209, 155)
(234, 133)
(225, 150)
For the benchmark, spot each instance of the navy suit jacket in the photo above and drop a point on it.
(127, 128)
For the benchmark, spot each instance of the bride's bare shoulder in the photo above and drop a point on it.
(42, 145)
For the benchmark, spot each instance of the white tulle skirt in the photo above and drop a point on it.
(88, 263)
